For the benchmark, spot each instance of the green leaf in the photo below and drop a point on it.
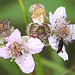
(55, 66)
(10, 67)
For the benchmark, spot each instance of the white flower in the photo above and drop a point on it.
(59, 13)
(54, 44)
(15, 49)
(60, 28)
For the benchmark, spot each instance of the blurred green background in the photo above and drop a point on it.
(52, 63)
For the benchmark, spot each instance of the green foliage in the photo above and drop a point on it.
(56, 67)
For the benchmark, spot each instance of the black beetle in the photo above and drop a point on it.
(60, 45)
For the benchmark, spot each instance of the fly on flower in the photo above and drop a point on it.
(61, 30)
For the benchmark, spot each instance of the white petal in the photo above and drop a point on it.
(3, 53)
(63, 54)
(52, 19)
(34, 45)
(26, 63)
(53, 42)
(15, 36)
(60, 12)
(72, 31)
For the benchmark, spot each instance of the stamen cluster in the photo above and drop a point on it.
(40, 31)
(16, 49)
(61, 29)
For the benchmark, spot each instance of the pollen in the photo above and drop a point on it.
(66, 31)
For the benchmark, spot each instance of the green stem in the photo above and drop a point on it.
(24, 12)
(38, 67)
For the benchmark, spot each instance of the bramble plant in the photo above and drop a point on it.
(43, 30)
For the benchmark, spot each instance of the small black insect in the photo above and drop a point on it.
(60, 45)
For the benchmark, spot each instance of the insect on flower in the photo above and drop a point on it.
(62, 30)
(60, 45)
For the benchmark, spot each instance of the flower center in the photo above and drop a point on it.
(61, 29)
(40, 31)
(16, 49)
